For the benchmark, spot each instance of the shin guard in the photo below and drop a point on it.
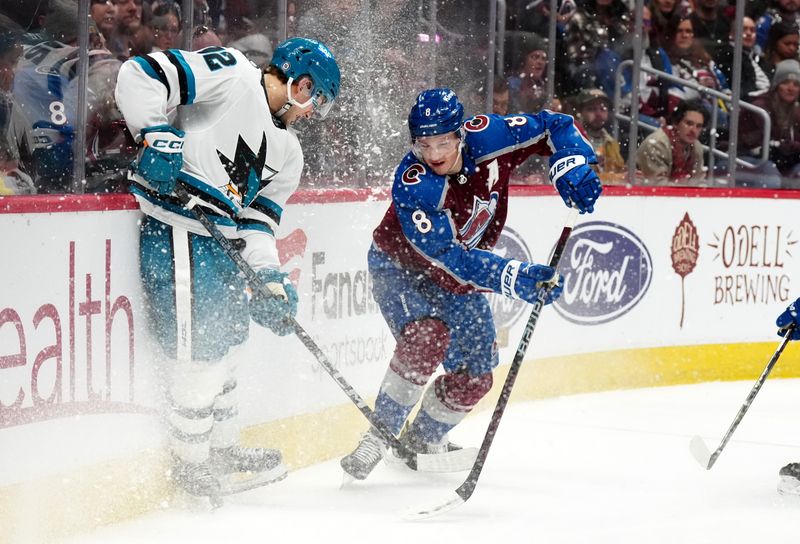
(420, 350)
(447, 401)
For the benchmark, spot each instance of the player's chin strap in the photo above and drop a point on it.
(291, 101)
(258, 284)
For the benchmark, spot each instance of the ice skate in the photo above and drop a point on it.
(789, 479)
(196, 479)
(365, 457)
(414, 443)
(241, 469)
(240, 459)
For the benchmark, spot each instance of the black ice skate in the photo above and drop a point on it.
(196, 479)
(365, 457)
(414, 443)
(241, 469)
(789, 482)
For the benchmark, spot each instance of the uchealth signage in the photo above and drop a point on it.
(607, 270)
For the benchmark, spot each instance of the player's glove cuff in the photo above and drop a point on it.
(161, 157)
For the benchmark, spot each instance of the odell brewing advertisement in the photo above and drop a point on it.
(607, 270)
(684, 253)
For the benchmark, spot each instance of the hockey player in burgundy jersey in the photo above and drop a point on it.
(432, 260)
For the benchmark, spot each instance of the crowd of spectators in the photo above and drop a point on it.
(688, 39)
(391, 49)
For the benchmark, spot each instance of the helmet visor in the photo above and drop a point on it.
(318, 99)
(439, 145)
(322, 103)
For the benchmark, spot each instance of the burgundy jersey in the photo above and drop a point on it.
(446, 226)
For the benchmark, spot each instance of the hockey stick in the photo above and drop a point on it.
(424, 462)
(698, 447)
(465, 490)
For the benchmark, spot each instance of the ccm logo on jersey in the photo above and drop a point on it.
(413, 173)
(564, 165)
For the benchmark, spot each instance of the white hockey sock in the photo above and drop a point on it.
(190, 418)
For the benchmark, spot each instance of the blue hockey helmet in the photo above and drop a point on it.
(297, 57)
(436, 111)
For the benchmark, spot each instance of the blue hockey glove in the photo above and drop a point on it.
(789, 317)
(523, 281)
(574, 179)
(161, 157)
(276, 310)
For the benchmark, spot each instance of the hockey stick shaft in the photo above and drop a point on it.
(468, 487)
(258, 284)
(749, 400)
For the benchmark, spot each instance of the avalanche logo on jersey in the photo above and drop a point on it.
(245, 171)
(482, 214)
(413, 174)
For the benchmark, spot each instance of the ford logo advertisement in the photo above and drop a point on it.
(607, 270)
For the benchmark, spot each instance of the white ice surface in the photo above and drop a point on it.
(599, 468)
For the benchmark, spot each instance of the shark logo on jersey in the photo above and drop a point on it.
(245, 171)
(482, 214)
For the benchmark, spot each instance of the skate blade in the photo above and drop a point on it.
(347, 480)
(238, 483)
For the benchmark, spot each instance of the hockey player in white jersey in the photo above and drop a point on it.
(218, 126)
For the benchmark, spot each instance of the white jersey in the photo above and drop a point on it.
(238, 160)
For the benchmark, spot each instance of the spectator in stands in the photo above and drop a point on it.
(686, 58)
(594, 37)
(203, 36)
(46, 90)
(500, 95)
(781, 102)
(782, 44)
(661, 12)
(652, 90)
(165, 26)
(123, 40)
(13, 179)
(754, 80)
(710, 24)
(30, 16)
(780, 11)
(673, 155)
(528, 86)
(103, 13)
(593, 106)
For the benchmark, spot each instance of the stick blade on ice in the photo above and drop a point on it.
(700, 452)
(452, 461)
(453, 502)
